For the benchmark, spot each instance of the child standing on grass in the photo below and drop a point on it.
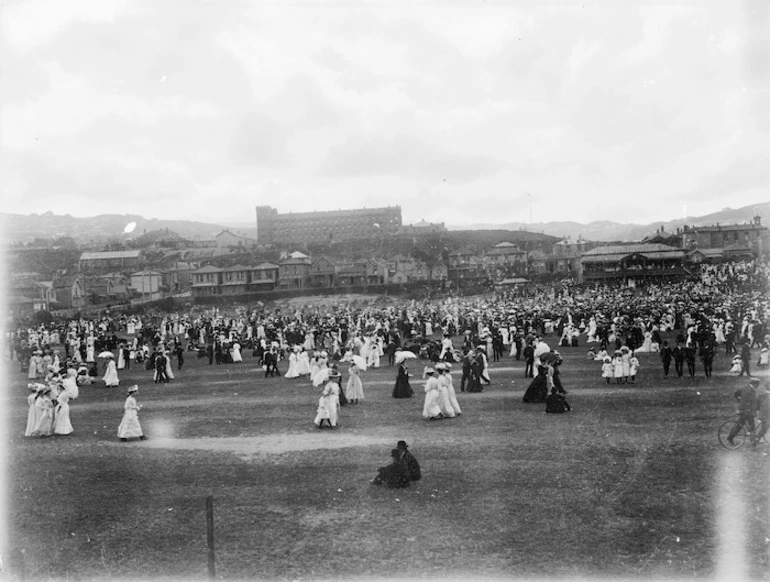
(354, 389)
(617, 367)
(608, 370)
(633, 367)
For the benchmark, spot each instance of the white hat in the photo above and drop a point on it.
(132, 389)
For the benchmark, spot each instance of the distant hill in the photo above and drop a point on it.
(20, 228)
(98, 229)
(614, 231)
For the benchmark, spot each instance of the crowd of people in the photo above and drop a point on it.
(725, 309)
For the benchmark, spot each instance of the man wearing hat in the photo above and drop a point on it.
(412, 466)
(747, 408)
(394, 475)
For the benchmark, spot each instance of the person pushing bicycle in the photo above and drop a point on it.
(747, 408)
(763, 412)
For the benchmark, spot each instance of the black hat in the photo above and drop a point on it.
(402, 445)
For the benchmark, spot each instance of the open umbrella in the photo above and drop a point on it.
(549, 357)
(359, 361)
(405, 355)
(105, 354)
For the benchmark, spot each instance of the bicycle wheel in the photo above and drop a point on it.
(724, 431)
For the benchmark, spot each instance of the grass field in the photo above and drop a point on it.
(631, 484)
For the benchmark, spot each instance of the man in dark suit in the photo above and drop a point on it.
(160, 367)
(745, 358)
(529, 361)
(394, 475)
(271, 363)
(665, 356)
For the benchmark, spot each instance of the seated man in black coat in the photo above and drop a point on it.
(394, 475)
(412, 466)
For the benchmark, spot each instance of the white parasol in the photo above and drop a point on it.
(359, 361)
(405, 355)
(106, 354)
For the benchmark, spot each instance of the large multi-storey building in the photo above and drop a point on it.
(734, 239)
(325, 226)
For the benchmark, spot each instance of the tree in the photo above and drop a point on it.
(43, 317)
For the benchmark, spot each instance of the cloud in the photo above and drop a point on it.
(403, 155)
(258, 140)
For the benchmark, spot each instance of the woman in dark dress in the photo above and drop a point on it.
(538, 388)
(474, 381)
(556, 377)
(402, 388)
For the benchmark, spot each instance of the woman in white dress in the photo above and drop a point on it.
(90, 349)
(235, 352)
(354, 389)
(444, 401)
(62, 425)
(70, 383)
(315, 365)
(121, 357)
(329, 403)
(34, 411)
(293, 371)
(446, 376)
(111, 374)
(719, 332)
(44, 419)
(129, 426)
(373, 356)
(303, 363)
(430, 407)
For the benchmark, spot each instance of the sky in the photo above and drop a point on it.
(459, 112)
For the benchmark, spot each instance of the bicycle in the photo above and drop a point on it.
(743, 436)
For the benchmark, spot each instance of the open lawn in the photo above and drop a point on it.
(631, 484)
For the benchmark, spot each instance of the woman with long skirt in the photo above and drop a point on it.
(402, 388)
(129, 426)
(111, 374)
(44, 423)
(34, 411)
(538, 388)
(62, 425)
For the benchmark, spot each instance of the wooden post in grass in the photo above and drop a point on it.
(210, 534)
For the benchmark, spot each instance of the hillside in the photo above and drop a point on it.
(613, 231)
(97, 229)
(105, 228)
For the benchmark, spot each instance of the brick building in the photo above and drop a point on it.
(325, 226)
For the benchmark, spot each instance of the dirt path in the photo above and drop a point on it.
(249, 448)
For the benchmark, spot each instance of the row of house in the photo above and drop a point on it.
(119, 277)
(299, 271)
